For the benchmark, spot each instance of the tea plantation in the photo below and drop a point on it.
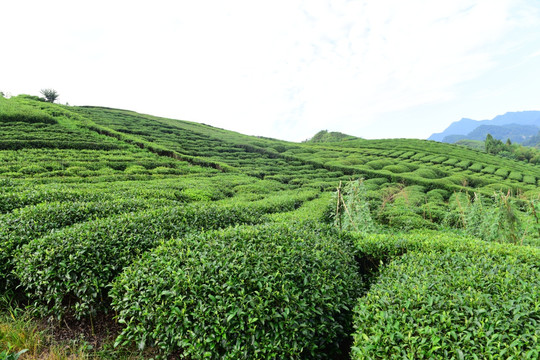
(200, 242)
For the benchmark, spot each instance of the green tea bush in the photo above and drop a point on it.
(437, 195)
(379, 164)
(135, 169)
(428, 158)
(490, 169)
(449, 304)
(426, 173)
(76, 170)
(32, 170)
(262, 292)
(162, 170)
(514, 175)
(69, 270)
(405, 221)
(476, 167)
(400, 168)
(12, 111)
(374, 183)
(464, 164)
(24, 225)
(502, 173)
(418, 156)
(407, 154)
(500, 187)
(529, 179)
(18, 199)
(439, 159)
(451, 161)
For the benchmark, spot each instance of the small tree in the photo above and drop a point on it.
(50, 94)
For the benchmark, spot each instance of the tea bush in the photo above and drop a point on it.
(489, 169)
(400, 168)
(69, 270)
(476, 167)
(502, 173)
(529, 179)
(514, 175)
(379, 164)
(449, 304)
(12, 111)
(443, 295)
(426, 173)
(23, 225)
(262, 292)
(464, 164)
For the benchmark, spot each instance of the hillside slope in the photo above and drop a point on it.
(259, 246)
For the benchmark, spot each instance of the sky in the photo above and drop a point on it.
(281, 69)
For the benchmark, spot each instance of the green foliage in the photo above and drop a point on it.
(514, 175)
(352, 211)
(325, 136)
(7, 355)
(24, 225)
(71, 269)
(427, 173)
(13, 111)
(512, 151)
(280, 292)
(498, 220)
(401, 168)
(444, 296)
(85, 192)
(418, 308)
(50, 95)
(379, 164)
(529, 179)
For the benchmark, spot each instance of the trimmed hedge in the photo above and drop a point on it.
(397, 169)
(23, 225)
(514, 175)
(448, 297)
(529, 179)
(261, 292)
(69, 270)
(502, 172)
(476, 167)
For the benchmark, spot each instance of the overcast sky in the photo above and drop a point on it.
(282, 69)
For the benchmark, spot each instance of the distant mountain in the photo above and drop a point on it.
(515, 132)
(466, 126)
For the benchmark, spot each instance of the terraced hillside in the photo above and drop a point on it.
(206, 243)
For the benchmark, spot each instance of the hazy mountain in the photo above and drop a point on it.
(515, 132)
(466, 126)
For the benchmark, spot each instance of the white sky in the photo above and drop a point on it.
(282, 69)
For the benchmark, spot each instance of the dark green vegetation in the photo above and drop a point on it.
(203, 242)
(512, 151)
(272, 291)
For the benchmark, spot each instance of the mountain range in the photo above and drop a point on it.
(519, 127)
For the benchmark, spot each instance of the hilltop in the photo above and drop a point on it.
(202, 242)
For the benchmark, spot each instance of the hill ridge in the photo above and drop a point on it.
(466, 125)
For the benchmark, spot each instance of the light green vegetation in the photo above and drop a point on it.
(203, 242)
